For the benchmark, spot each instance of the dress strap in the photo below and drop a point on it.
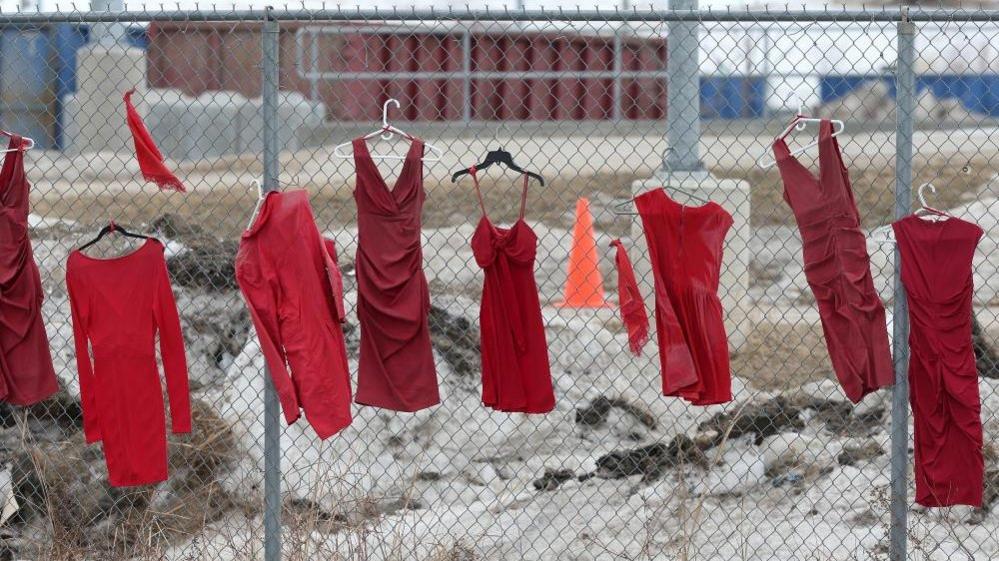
(478, 192)
(523, 198)
(360, 148)
(831, 166)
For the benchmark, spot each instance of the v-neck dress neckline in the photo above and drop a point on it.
(361, 144)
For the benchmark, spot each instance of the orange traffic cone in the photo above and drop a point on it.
(584, 287)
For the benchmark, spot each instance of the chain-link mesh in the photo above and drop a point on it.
(788, 470)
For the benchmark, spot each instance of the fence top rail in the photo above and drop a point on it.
(340, 14)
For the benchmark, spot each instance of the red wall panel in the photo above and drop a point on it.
(199, 57)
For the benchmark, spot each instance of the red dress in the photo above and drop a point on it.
(26, 372)
(685, 247)
(837, 266)
(943, 379)
(516, 377)
(292, 285)
(119, 305)
(396, 366)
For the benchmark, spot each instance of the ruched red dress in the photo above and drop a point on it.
(516, 375)
(943, 380)
(396, 366)
(292, 285)
(119, 305)
(26, 372)
(838, 267)
(685, 247)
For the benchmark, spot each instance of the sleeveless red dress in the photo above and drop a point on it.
(838, 267)
(26, 372)
(685, 247)
(943, 380)
(516, 377)
(396, 367)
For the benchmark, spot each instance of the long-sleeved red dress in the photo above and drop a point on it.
(119, 305)
(26, 372)
(289, 277)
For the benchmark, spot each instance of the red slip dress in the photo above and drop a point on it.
(838, 267)
(119, 306)
(26, 372)
(396, 367)
(943, 380)
(685, 247)
(516, 376)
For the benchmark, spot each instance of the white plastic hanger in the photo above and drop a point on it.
(627, 208)
(29, 146)
(260, 201)
(798, 122)
(387, 132)
(261, 195)
(930, 213)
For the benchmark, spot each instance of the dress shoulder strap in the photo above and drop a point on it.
(478, 192)
(360, 148)
(831, 166)
(14, 190)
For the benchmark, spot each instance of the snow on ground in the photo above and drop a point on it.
(460, 479)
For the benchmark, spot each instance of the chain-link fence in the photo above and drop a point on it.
(604, 105)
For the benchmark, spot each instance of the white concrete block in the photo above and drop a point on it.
(218, 123)
(172, 123)
(95, 115)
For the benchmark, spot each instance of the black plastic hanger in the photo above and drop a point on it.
(500, 156)
(112, 227)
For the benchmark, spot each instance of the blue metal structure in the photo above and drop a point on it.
(978, 93)
(37, 71)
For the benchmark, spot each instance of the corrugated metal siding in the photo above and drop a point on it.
(201, 57)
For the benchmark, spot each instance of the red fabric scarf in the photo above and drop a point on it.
(150, 158)
(630, 301)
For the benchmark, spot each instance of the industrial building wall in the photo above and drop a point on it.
(219, 56)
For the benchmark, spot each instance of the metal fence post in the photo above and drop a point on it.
(618, 94)
(905, 107)
(272, 413)
(466, 75)
(683, 77)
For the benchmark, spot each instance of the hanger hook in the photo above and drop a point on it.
(385, 124)
(922, 195)
(800, 104)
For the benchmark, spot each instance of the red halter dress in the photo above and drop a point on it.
(946, 409)
(26, 372)
(837, 266)
(685, 246)
(516, 376)
(396, 366)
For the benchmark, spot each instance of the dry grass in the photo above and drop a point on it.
(873, 188)
(227, 211)
(782, 356)
(65, 497)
